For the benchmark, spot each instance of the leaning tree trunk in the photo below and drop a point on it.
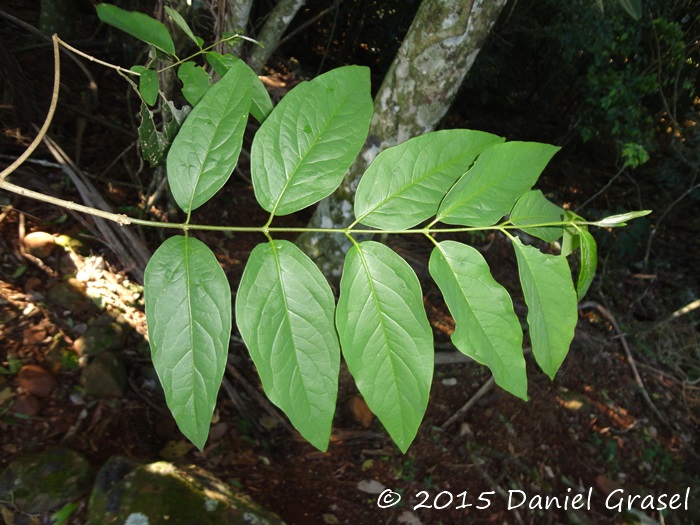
(231, 16)
(277, 22)
(436, 54)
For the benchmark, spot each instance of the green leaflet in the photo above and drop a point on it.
(195, 82)
(589, 263)
(571, 240)
(551, 302)
(152, 142)
(173, 119)
(385, 337)
(148, 84)
(487, 328)
(405, 184)
(138, 25)
(301, 152)
(534, 208)
(284, 311)
(261, 105)
(205, 151)
(182, 24)
(188, 309)
(498, 178)
(617, 221)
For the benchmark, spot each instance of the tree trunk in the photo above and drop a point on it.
(438, 51)
(276, 24)
(232, 16)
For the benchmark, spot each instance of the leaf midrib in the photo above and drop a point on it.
(406, 188)
(391, 354)
(308, 150)
(198, 178)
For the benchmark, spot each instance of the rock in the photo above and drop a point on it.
(106, 333)
(70, 295)
(370, 486)
(36, 380)
(105, 376)
(45, 481)
(39, 244)
(163, 494)
(26, 405)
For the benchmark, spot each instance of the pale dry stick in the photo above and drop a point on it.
(24, 192)
(630, 359)
(6, 212)
(472, 401)
(49, 117)
(127, 246)
(488, 385)
(30, 28)
(694, 305)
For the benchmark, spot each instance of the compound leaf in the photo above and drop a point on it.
(534, 208)
(486, 327)
(385, 337)
(284, 311)
(188, 311)
(551, 302)
(302, 151)
(195, 81)
(405, 184)
(139, 25)
(205, 151)
(498, 178)
(589, 262)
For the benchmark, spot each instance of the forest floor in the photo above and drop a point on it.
(591, 431)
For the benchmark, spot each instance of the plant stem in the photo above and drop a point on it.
(93, 59)
(47, 122)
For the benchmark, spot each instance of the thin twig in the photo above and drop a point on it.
(601, 191)
(45, 126)
(663, 216)
(694, 305)
(472, 401)
(492, 483)
(91, 80)
(127, 246)
(488, 385)
(630, 359)
(305, 25)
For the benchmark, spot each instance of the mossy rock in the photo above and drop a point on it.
(44, 481)
(105, 376)
(164, 494)
(106, 333)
